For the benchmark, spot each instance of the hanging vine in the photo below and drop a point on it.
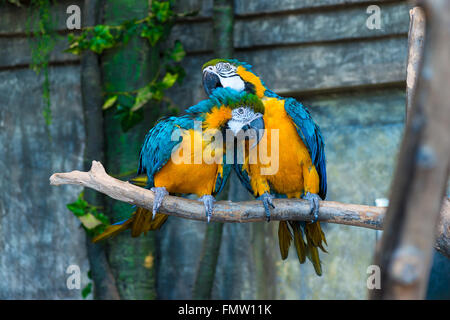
(41, 26)
(42, 43)
(155, 28)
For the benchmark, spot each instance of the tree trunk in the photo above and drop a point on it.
(91, 91)
(128, 68)
(223, 19)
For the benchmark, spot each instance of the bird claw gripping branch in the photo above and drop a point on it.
(160, 193)
(266, 199)
(314, 204)
(208, 201)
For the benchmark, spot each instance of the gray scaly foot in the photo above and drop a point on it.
(266, 199)
(314, 204)
(208, 201)
(160, 193)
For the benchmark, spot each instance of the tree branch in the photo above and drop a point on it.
(416, 39)
(247, 211)
(405, 253)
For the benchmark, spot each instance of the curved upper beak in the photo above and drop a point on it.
(211, 81)
(258, 126)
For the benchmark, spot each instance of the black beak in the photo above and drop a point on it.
(210, 82)
(258, 126)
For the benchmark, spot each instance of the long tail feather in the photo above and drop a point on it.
(313, 256)
(113, 230)
(314, 232)
(140, 181)
(314, 238)
(140, 222)
(299, 243)
(159, 220)
(140, 215)
(284, 239)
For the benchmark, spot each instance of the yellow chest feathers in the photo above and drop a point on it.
(193, 167)
(284, 163)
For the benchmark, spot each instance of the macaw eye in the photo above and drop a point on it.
(226, 67)
(240, 110)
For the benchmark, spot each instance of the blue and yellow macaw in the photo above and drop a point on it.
(186, 173)
(301, 162)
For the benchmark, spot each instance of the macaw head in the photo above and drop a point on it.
(247, 121)
(240, 112)
(231, 73)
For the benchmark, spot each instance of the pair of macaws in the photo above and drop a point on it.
(239, 102)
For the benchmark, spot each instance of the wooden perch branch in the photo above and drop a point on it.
(246, 211)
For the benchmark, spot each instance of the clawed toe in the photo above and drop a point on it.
(160, 193)
(314, 205)
(208, 201)
(266, 199)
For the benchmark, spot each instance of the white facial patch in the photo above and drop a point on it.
(235, 126)
(240, 117)
(228, 76)
(234, 82)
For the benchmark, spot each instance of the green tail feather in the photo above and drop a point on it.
(159, 220)
(315, 238)
(113, 230)
(140, 181)
(139, 216)
(298, 241)
(313, 256)
(284, 239)
(140, 222)
(314, 232)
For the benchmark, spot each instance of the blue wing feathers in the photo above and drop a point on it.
(158, 144)
(312, 138)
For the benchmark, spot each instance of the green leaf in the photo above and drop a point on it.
(79, 207)
(86, 290)
(102, 39)
(109, 102)
(77, 211)
(143, 96)
(92, 221)
(161, 10)
(152, 32)
(177, 53)
(176, 69)
(89, 221)
(169, 80)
